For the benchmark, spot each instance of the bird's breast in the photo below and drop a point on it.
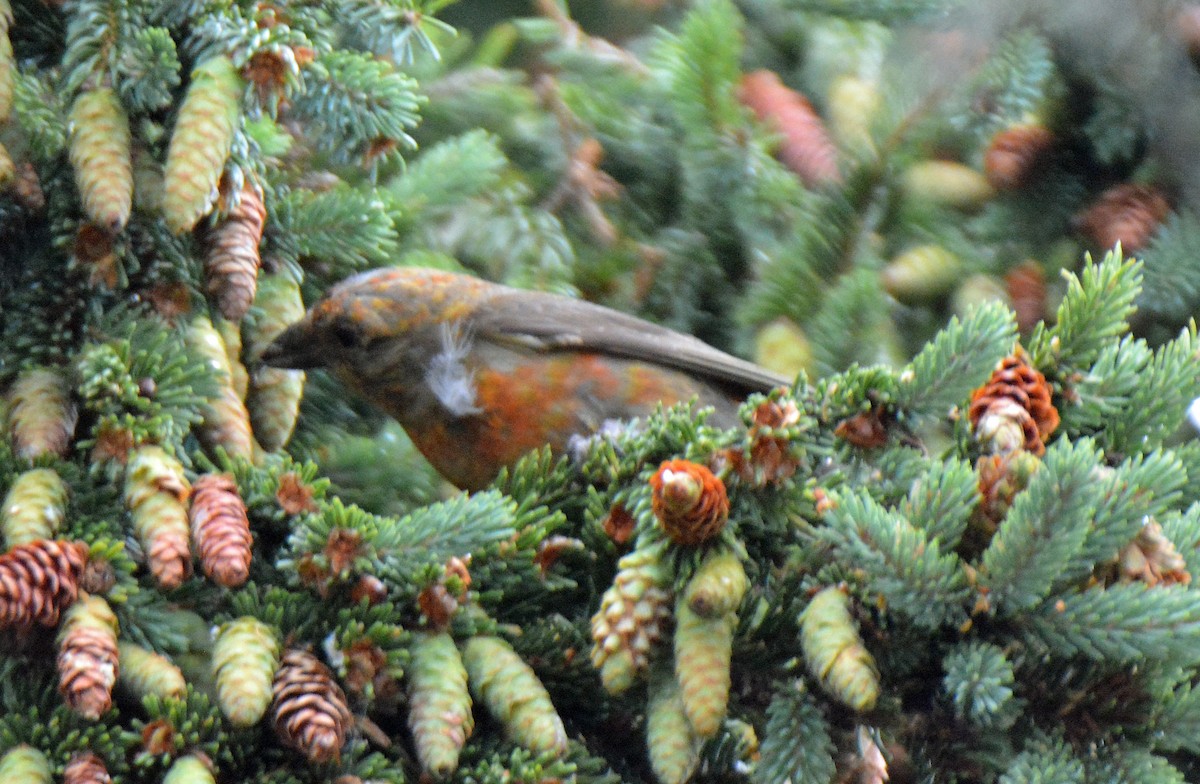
(526, 402)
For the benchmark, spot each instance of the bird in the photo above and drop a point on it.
(479, 373)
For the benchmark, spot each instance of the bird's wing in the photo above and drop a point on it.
(547, 323)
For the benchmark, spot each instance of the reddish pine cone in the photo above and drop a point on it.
(806, 147)
(1125, 213)
(231, 264)
(1015, 154)
(221, 530)
(1013, 410)
(689, 501)
(39, 580)
(311, 715)
(86, 768)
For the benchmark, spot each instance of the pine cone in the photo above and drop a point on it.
(718, 586)
(42, 417)
(633, 617)
(34, 507)
(144, 672)
(922, 274)
(806, 148)
(192, 768)
(231, 264)
(231, 337)
(274, 395)
(1125, 213)
(221, 530)
(1026, 285)
(38, 581)
(24, 764)
(672, 743)
(1015, 155)
(226, 421)
(200, 143)
(88, 657)
(689, 501)
(513, 694)
(834, 652)
(703, 650)
(101, 158)
(245, 657)
(311, 715)
(439, 704)
(947, 184)
(1013, 410)
(155, 491)
(86, 768)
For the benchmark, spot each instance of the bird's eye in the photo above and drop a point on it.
(345, 334)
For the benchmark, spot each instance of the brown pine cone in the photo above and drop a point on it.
(221, 530)
(86, 768)
(39, 580)
(689, 501)
(1013, 410)
(231, 265)
(88, 657)
(311, 715)
(1125, 213)
(1026, 287)
(1015, 154)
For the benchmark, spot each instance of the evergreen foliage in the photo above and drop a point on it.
(939, 562)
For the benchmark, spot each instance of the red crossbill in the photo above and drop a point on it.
(478, 373)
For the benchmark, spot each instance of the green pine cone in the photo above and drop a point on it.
(703, 647)
(277, 305)
(439, 713)
(718, 586)
(273, 398)
(834, 651)
(100, 155)
(672, 743)
(922, 274)
(189, 770)
(24, 765)
(200, 144)
(41, 417)
(155, 489)
(273, 403)
(513, 694)
(226, 421)
(145, 672)
(34, 507)
(632, 619)
(244, 659)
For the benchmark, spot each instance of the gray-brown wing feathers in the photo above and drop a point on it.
(554, 323)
